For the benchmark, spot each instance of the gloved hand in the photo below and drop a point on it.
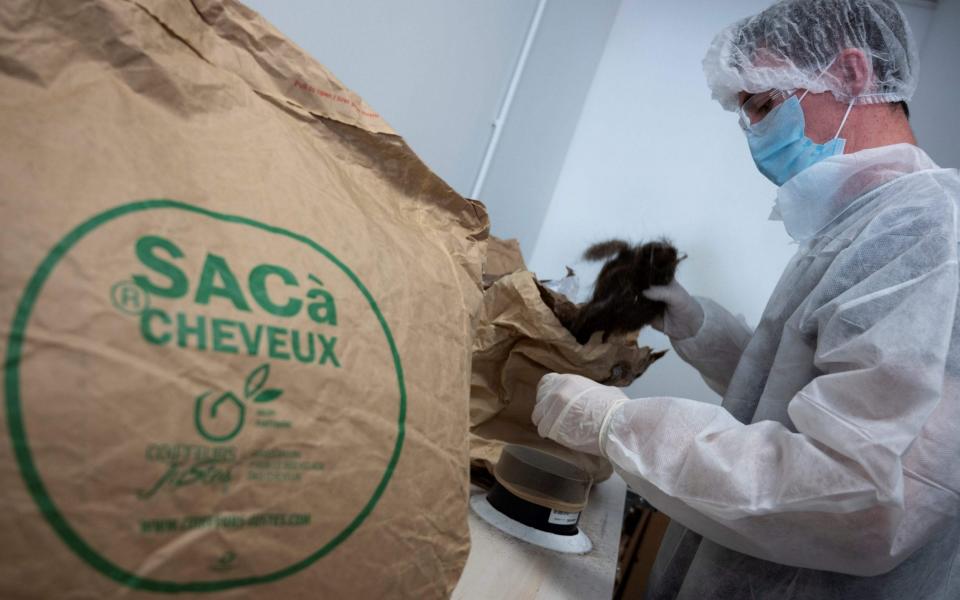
(684, 315)
(572, 410)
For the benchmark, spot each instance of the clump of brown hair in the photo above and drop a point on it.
(618, 304)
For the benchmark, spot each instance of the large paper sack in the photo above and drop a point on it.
(235, 318)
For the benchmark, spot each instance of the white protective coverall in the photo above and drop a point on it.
(832, 468)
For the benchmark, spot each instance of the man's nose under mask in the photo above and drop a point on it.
(779, 144)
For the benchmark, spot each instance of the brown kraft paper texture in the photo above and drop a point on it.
(236, 318)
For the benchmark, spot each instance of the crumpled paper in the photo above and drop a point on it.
(518, 340)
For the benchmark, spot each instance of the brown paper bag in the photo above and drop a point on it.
(236, 318)
(503, 257)
(518, 340)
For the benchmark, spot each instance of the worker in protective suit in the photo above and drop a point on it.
(832, 467)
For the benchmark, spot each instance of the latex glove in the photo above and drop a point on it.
(573, 410)
(684, 315)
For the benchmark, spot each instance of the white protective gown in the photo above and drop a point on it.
(832, 469)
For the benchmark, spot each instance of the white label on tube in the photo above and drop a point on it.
(563, 518)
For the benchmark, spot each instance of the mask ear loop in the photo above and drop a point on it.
(849, 107)
(845, 115)
(844, 121)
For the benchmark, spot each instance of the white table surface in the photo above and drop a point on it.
(504, 568)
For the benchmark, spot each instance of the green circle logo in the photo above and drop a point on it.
(130, 300)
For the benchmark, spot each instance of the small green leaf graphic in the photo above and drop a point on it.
(255, 380)
(268, 395)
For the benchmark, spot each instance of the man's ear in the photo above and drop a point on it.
(853, 70)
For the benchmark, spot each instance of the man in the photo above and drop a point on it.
(832, 469)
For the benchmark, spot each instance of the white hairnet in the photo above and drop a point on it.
(791, 45)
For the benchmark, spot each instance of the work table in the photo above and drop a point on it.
(506, 568)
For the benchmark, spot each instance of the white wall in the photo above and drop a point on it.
(435, 69)
(935, 109)
(653, 155)
(438, 70)
(544, 115)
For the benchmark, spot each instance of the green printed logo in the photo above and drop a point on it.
(252, 391)
(217, 284)
(224, 371)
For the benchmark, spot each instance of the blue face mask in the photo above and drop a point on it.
(779, 144)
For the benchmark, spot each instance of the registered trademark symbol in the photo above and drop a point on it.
(129, 298)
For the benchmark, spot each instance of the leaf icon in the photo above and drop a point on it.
(200, 417)
(255, 380)
(268, 395)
